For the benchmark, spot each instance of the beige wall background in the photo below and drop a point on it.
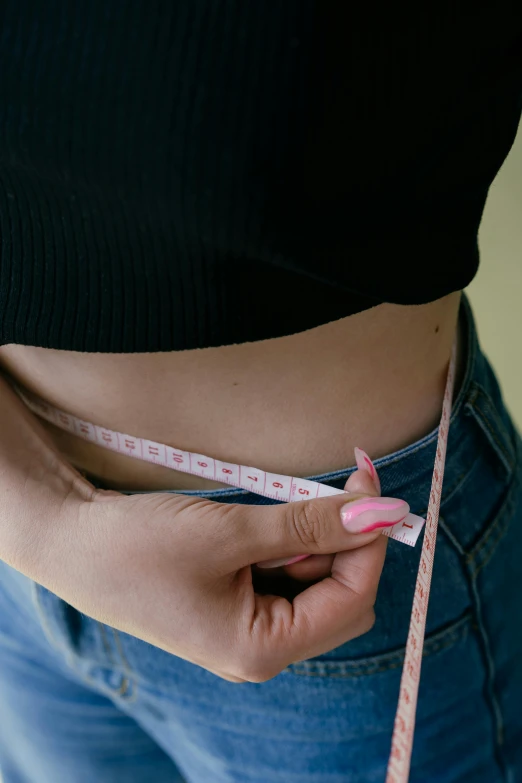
(496, 292)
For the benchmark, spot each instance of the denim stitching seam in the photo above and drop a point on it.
(493, 536)
(124, 684)
(100, 687)
(489, 665)
(450, 536)
(346, 670)
(105, 642)
(53, 640)
(63, 649)
(459, 481)
(126, 668)
(491, 425)
(505, 456)
(344, 674)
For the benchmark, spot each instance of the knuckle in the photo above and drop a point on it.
(255, 670)
(369, 621)
(360, 581)
(230, 678)
(365, 623)
(257, 677)
(363, 584)
(245, 672)
(310, 523)
(261, 675)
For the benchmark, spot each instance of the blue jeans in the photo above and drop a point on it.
(83, 703)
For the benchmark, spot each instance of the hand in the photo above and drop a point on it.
(364, 481)
(177, 572)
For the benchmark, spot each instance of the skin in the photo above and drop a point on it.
(295, 405)
(179, 572)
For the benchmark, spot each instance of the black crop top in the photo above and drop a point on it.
(196, 173)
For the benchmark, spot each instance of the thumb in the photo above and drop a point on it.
(311, 527)
(364, 481)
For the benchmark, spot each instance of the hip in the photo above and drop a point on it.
(296, 405)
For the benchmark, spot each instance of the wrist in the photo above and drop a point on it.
(37, 487)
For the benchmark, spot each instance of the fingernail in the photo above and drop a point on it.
(366, 514)
(284, 561)
(364, 463)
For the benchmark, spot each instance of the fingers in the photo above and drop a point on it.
(342, 607)
(314, 527)
(314, 567)
(365, 465)
(255, 534)
(324, 616)
(363, 481)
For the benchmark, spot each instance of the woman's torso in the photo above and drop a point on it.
(295, 405)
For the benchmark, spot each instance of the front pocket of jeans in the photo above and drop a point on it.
(434, 643)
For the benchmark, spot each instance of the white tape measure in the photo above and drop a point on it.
(402, 739)
(289, 489)
(272, 485)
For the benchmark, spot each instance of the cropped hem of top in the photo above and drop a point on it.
(192, 174)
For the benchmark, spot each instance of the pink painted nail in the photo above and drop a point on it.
(284, 561)
(365, 463)
(366, 514)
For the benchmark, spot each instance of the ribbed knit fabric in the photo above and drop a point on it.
(200, 172)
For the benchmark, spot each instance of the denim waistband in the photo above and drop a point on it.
(414, 463)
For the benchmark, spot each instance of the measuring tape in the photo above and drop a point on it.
(402, 739)
(271, 485)
(289, 489)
